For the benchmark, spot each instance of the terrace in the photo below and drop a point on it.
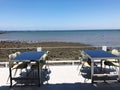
(64, 75)
(68, 79)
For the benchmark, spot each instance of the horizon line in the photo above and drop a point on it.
(58, 29)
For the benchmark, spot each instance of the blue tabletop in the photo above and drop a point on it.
(35, 56)
(99, 54)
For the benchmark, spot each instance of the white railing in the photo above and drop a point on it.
(4, 64)
(72, 62)
(64, 61)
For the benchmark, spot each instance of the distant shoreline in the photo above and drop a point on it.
(60, 30)
(3, 32)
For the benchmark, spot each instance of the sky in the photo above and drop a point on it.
(59, 14)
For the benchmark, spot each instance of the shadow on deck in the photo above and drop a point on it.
(68, 86)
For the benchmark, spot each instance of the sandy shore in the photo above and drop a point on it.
(58, 50)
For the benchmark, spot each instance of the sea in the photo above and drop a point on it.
(92, 37)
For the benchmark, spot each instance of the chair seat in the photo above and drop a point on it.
(86, 64)
(110, 63)
(20, 65)
(35, 66)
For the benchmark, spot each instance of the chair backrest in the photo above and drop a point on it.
(45, 55)
(18, 53)
(115, 52)
(85, 57)
(12, 56)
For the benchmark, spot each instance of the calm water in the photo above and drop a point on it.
(93, 37)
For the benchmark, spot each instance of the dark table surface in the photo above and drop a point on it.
(99, 54)
(31, 56)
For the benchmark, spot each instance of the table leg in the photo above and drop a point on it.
(39, 79)
(92, 70)
(10, 72)
(119, 71)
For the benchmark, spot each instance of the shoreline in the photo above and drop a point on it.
(92, 37)
(19, 44)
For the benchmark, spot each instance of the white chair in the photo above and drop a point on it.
(113, 62)
(11, 63)
(16, 65)
(83, 58)
(115, 52)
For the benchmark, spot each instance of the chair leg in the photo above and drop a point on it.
(78, 66)
(8, 78)
(47, 65)
(85, 80)
(15, 72)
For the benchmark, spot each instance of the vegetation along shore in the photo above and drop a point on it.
(58, 50)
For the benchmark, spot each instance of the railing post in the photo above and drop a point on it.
(104, 48)
(39, 49)
(72, 62)
(6, 64)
